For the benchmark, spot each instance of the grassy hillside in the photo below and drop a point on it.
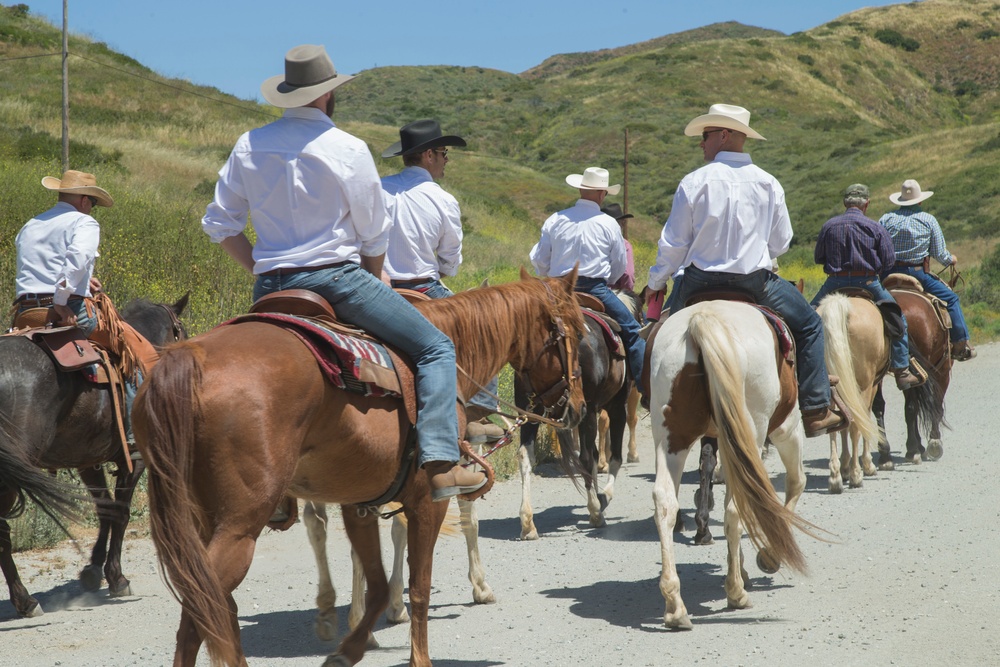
(877, 96)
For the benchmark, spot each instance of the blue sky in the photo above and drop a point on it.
(235, 44)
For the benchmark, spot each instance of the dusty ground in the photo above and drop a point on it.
(909, 580)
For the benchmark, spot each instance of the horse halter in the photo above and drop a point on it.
(562, 388)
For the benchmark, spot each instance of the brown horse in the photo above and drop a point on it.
(923, 406)
(235, 418)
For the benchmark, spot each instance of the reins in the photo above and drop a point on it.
(954, 278)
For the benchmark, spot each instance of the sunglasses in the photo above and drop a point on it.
(442, 153)
(93, 200)
(704, 135)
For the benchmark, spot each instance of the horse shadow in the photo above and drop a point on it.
(68, 595)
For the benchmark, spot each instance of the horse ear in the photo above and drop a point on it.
(570, 277)
(181, 304)
(524, 273)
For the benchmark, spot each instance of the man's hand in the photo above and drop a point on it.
(954, 260)
(64, 316)
(95, 285)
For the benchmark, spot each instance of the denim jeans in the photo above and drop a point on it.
(780, 296)
(436, 289)
(361, 299)
(635, 346)
(937, 287)
(899, 350)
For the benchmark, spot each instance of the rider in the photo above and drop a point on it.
(319, 216)
(854, 250)
(583, 235)
(916, 236)
(56, 253)
(727, 224)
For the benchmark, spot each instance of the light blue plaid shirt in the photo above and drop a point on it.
(915, 235)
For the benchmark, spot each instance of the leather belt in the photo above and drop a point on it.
(852, 274)
(414, 281)
(918, 265)
(40, 300)
(290, 270)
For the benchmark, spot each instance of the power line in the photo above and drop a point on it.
(40, 55)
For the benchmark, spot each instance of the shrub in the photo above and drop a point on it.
(895, 39)
(987, 34)
(967, 88)
(807, 59)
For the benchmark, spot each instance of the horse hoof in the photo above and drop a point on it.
(632, 459)
(856, 482)
(913, 457)
(484, 596)
(325, 629)
(122, 592)
(682, 622)
(397, 616)
(888, 465)
(602, 468)
(91, 578)
(934, 450)
(836, 488)
(765, 563)
(742, 603)
(34, 611)
(603, 500)
(529, 536)
(372, 642)
(703, 538)
(337, 660)
(598, 521)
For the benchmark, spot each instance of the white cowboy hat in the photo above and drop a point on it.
(79, 183)
(593, 178)
(910, 194)
(727, 116)
(309, 73)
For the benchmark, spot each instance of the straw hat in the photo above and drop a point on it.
(727, 116)
(910, 194)
(309, 74)
(593, 178)
(79, 183)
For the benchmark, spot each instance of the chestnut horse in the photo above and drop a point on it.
(715, 369)
(235, 418)
(923, 406)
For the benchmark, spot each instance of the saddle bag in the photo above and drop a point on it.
(69, 347)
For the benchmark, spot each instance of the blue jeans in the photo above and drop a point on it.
(635, 346)
(436, 289)
(899, 350)
(780, 296)
(361, 299)
(937, 287)
(671, 304)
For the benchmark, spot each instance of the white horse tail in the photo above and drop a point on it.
(835, 311)
(768, 522)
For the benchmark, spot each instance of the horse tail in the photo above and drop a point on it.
(835, 311)
(768, 522)
(18, 475)
(164, 421)
(928, 397)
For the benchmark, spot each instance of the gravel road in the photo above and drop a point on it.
(908, 580)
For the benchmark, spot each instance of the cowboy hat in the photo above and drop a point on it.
(309, 74)
(615, 211)
(421, 135)
(910, 194)
(726, 116)
(592, 178)
(79, 183)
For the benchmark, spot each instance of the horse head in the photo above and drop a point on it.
(159, 323)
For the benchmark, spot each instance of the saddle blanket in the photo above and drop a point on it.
(613, 339)
(351, 363)
(785, 341)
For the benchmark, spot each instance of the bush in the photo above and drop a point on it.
(986, 286)
(808, 60)
(897, 40)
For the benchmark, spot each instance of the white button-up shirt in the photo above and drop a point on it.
(56, 252)
(426, 236)
(311, 189)
(728, 216)
(581, 234)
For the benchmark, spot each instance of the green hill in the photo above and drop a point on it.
(877, 96)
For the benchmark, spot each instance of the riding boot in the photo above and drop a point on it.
(449, 479)
(482, 432)
(822, 421)
(962, 351)
(905, 379)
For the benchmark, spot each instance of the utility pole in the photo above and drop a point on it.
(65, 86)
(625, 195)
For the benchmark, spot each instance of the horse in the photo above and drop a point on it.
(923, 406)
(857, 351)
(215, 476)
(55, 420)
(604, 428)
(716, 370)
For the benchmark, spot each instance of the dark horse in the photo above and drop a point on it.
(60, 420)
(606, 386)
(233, 419)
(923, 406)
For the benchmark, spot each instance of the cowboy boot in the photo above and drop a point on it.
(449, 479)
(905, 379)
(482, 432)
(962, 351)
(822, 421)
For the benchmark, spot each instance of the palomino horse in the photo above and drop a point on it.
(57, 420)
(923, 406)
(716, 369)
(857, 351)
(216, 476)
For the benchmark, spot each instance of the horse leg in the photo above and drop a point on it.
(704, 500)
(396, 612)
(736, 574)
(93, 574)
(604, 442)
(878, 409)
(914, 449)
(481, 591)
(835, 485)
(25, 605)
(935, 450)
(596, 501)
(632, 418)
(617, 417)
(425, 520)
(362, 531)
(526, 461)
(314, 517)
(855, 476)
(669, 468)
(118, 585)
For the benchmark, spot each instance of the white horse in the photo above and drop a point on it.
(857, 351)
(716, 370)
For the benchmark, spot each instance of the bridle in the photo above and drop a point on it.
(176, 328)
(542, 401)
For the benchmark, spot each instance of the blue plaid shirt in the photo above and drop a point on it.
(852, 242)
(915, 235)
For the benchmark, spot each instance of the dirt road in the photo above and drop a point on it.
(908, 581)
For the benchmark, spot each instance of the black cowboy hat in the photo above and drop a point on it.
(615, 211)
(419, 136)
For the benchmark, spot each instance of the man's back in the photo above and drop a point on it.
(426, 236)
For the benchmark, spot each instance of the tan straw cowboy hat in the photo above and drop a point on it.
(309, 74)
(910, 194)
(79, 183)
(593, 178)
(726, 116)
